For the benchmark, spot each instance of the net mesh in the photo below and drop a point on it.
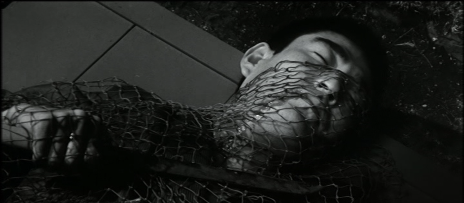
(281, 139)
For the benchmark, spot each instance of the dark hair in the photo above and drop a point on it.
(361, 35)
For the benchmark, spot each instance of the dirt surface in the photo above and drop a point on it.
(423, 102)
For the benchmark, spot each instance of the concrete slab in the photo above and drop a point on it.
(183, 35)
(145, 61)
(44, 41)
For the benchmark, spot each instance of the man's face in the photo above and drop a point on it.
(312, 90)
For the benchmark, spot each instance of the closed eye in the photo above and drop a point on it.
(322, 58)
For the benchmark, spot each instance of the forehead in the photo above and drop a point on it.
(355, 64)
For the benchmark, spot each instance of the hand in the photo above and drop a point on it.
(55, 136)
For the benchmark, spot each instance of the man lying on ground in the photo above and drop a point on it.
(304, 91)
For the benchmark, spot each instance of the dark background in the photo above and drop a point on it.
(422, 106)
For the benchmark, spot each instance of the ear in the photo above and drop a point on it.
(253, 56)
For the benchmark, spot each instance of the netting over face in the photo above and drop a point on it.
(279, 130)
(287, 114)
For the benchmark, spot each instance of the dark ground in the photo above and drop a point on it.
(424, 98)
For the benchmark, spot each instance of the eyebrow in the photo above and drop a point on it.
(334, 46)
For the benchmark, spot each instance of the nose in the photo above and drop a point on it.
(329, 87)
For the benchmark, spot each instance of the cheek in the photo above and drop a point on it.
(283, 126)
(346, 114)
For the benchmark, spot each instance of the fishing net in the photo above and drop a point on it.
(284, 138)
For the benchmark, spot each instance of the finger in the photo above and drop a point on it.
(4, 114)
(91, 153)
(98, 134)
(98, 129)
(15, 136)
(10, 116)
(76, 147)
(19, 136)
(60, 140)
(40, 125)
